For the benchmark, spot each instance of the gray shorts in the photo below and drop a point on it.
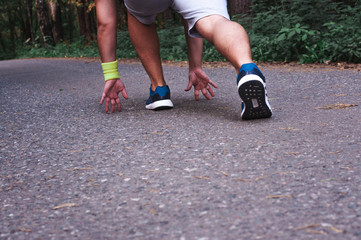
(191, 10)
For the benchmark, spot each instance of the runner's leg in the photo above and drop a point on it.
(230, 38)
(146, 43)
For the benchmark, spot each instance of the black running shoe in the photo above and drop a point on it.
(252, 90)
(159, 99)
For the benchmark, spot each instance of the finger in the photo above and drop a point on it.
(206, 95)
(204, 76)
(124, 93)
(210, 91)
(212, 83)
(188, 87)
(108, 85)
(112, 105)
(118, 104)
(107, 100)
(102, 99)
(196, 95)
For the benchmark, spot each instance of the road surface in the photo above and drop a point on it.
(71, 171)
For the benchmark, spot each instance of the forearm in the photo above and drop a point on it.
(195, 49)
(107, 29)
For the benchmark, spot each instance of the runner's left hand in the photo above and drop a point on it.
(201, 82)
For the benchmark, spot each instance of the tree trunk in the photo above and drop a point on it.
(43, 20)
(29, 20)
(88, 24)
(84, 21)
(239, 6)
(11, 25)
(24, 19)
(20, 16)
(55, 15)
(70, 18)
(3, 45)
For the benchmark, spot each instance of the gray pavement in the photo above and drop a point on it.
(70, 171)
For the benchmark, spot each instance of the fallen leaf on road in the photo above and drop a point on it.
(348, 168)
(242, 180)
(51, 177)
(224, 173)
(159, 133)
(316, 232)
(308, 226)
(338, 106)
(260, 178)
(335, 152)
(289, 128)
(24, 229)
(336, 229)
(201, 177)
(329, 226)
(153, 211)
(64, 205)
(278, 196)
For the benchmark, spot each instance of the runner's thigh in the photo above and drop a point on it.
(193, 10)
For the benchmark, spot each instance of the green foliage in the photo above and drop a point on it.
(210, 53)
(125, 48)
(280, 30)
(304, 30)
(172, 43)
(76, 49)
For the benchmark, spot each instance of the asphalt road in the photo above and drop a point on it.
(70, 171)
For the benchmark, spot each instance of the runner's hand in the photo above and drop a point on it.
(201, 82)
(111, 91)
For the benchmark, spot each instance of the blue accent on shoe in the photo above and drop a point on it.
(250, 68)
(159, 99)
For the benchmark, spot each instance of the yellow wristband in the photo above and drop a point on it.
(110, 70)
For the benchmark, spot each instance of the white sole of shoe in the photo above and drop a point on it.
(159, 105)
(252, 91)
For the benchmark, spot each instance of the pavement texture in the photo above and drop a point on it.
(71, 171)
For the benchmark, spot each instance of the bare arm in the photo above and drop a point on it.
(197, 77)
(107, 29)
(107, 44)
(195, 49)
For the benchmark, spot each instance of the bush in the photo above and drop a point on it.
(304, 30)
(173, 45)
(62, 49)
(280, 30)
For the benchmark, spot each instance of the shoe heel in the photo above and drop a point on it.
(253, 95)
